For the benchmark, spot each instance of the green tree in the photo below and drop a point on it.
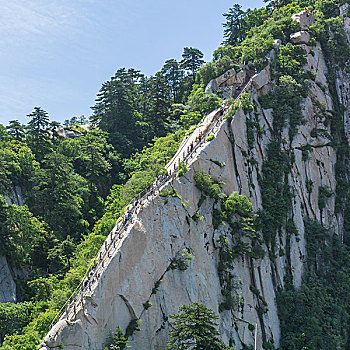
(62, 253)
(201, 101)
(57, 196)
(92, 160)
(194, 327)
(116, 111)
(239, 23)
(173, 75)
(157, 113)
(13, 317)
(234, 26)
(20, 233)
(120, 341)
(16, 129)
(191, 61)
(38, 136)
(3, 133)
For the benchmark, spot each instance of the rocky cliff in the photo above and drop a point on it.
(145, 265)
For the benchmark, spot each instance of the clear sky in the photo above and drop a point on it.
(56, 53)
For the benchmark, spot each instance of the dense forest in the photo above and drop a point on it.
(76, 179)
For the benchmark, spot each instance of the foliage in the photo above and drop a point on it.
(181, 260)
(22, 236)
(191, 118)
(210, 137)
(319, 310)
(194, 327)
(119, 341)
(239, 23)
(14, 317)
(206, 183)
(214, 69)
(204, 102)
(191, 61)
(182, 169)
(324, 192)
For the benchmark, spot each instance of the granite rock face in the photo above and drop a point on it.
(305, 18)
(138, 271)
(7, 284)
(226, 83)
(302, 37)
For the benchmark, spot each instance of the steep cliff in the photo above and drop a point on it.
(147, 264)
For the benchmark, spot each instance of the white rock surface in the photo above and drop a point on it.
(302, 37)
(305, 18)
(262, 78)
(7, 284)
(343, 10)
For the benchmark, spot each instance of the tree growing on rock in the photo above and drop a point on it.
(194, 327)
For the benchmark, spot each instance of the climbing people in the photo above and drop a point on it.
(191, 147)
(86, 282)
(199, 138)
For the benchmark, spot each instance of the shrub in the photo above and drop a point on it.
(204, 102)
(206, 184)
(210, 137)
(182, 169)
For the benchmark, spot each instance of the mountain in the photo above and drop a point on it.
(255, 224)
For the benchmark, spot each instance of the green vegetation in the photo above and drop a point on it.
(194, 327)
(210, 137)
(119, 341)
(74, 189)
(182, 169)
(181, 260)
(316, 316)
(206, 183)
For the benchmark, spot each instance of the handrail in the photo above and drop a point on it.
(101, 255)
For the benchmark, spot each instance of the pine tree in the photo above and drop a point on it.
(191, 61)
(120, 341)
(173, 75)
(195, 329)
(115, 110)
(155, 117)
(16, 129)
(38, 138)
(234, 26)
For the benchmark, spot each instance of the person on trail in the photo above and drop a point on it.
(200, 138)
(129, 215)
(86, 282)
(191, 147)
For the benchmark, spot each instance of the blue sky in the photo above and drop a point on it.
(56, 53)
